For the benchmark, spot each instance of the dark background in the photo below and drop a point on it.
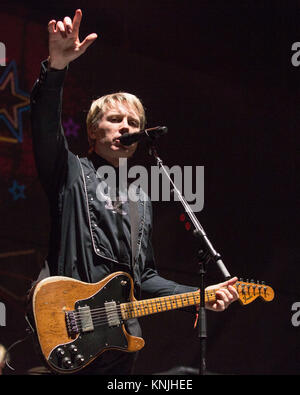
(219, 75)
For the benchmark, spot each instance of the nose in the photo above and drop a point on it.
(124, 126)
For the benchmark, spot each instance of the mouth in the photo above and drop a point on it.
(118, 143)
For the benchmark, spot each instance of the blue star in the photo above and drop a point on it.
(17, 191)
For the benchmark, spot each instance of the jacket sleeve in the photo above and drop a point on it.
(49, 143)
(152, 284)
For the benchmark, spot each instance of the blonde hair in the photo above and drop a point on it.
(100, 105)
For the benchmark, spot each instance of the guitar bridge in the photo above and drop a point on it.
(79, 321)
(71, 322)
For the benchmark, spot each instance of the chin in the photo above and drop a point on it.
(127, 154)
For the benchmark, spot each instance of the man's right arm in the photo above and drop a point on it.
(49, 143)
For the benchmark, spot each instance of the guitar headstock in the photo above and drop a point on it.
(249, 291)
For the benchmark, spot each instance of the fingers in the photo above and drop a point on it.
(233, 292)
(51, 26)
(226, 296)
(232, 281)
(219, 305)
(87, 41)
(60, 27)
(65, 26)
(68, 24)
(77, 20)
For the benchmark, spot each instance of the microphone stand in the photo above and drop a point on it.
(205, 254)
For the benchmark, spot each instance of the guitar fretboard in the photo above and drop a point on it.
(157, 305)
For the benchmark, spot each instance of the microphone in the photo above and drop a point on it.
(151, 133)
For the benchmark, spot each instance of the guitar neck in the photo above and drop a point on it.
(247, 293)
(157, 305)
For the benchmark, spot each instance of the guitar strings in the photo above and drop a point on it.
(208, 294)
(141, 305)
(102, 319)
(100, 315)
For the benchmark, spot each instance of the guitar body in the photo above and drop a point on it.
(76, 321)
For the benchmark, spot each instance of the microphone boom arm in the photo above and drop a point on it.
(198, 231)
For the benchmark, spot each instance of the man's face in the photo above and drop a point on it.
(116, 120)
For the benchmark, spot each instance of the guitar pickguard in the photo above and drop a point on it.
(99, 327)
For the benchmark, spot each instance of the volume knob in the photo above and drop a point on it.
(60, 352)
(67, 362)
(79, 359)
(73, 349)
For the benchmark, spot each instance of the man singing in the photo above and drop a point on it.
(89, 238)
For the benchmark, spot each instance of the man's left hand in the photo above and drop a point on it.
(225, 294)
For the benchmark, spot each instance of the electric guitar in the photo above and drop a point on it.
(75, 321)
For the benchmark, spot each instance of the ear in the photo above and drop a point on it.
(91, 134)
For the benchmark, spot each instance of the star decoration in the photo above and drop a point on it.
(71, 128)
(17, 190)
(13, 102)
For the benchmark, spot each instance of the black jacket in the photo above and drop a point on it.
(87, 240)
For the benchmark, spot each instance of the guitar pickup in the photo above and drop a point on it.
(86, 319)
(112, 313)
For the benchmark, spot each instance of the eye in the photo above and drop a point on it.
(134, 123)
(114, 118)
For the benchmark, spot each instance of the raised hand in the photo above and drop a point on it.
(64, 43)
